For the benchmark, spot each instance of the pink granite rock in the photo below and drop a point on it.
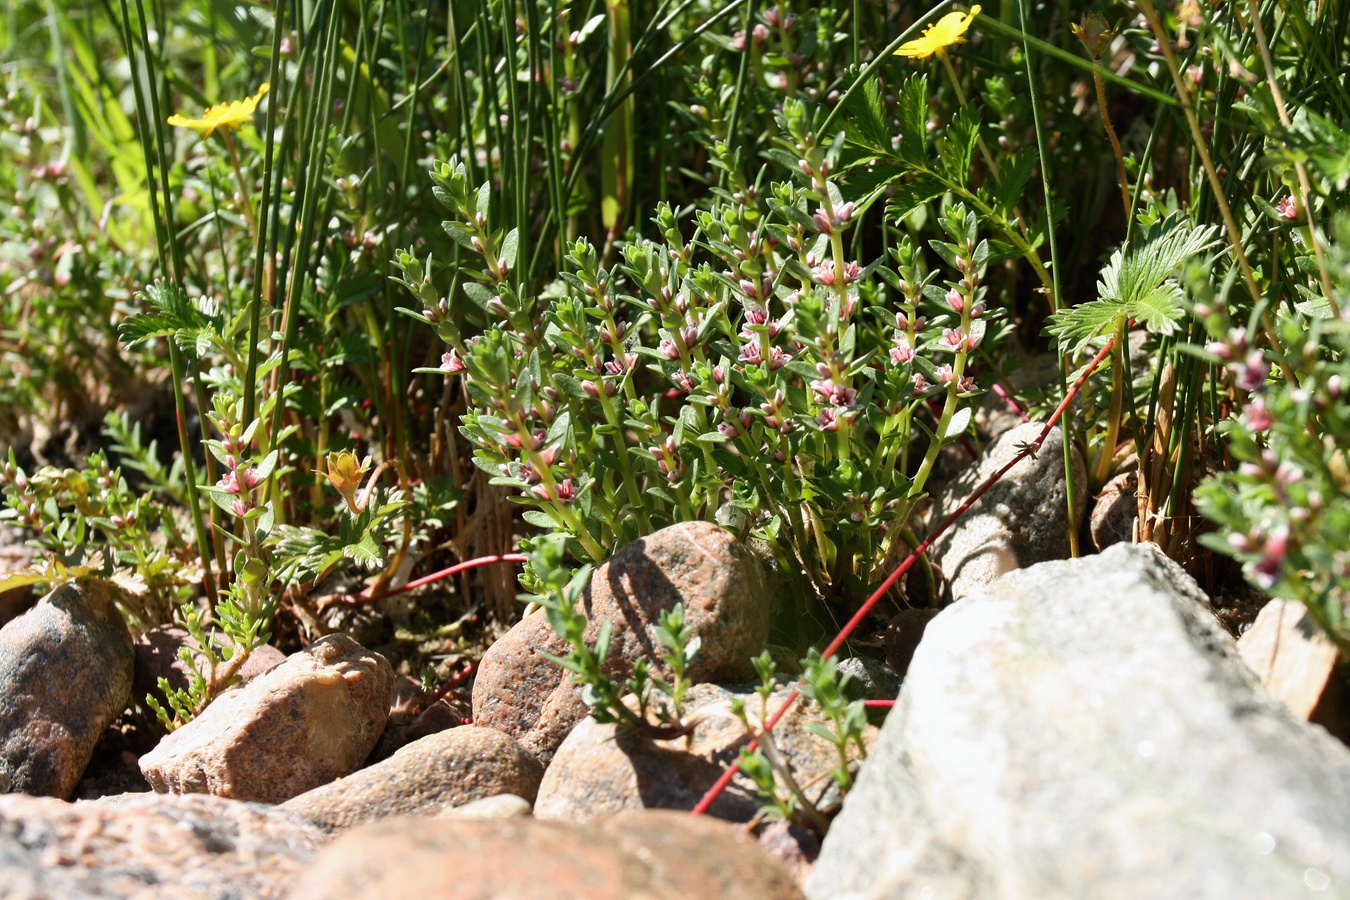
(310, 720)
(631, 856)
(65, 675)
(447, 769)
(721, 585)
(149, 845)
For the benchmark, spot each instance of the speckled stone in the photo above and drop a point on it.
(149, 846)
(598, 772)
(1020, 521)
(721, 584)
(446, 769)
(312, 719)
(65, 674)
(632, 856)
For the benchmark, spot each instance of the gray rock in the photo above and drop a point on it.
(447, 769)
(597, 772)
(1020, 521)
(148, 845)
(312, 719)
(65, 674)
(1086, 729)
(635, 856)
(721, 585)
(869, 679)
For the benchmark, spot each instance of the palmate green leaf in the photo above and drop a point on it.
(1136, 284)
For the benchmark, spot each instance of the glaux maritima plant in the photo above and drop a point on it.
(751, 371)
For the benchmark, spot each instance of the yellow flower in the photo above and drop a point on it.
(945, 32)
(225, 116)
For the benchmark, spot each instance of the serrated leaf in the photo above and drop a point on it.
(912, 194)
(1138, 284)
(913, 117)
(957, 151)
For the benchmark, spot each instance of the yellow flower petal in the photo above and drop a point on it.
(224, 116)
(944, 33)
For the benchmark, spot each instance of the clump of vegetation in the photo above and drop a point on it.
(779, 307)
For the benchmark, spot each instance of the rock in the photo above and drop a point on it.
(65, 675)
(439, 716)
(148, 845)
(409, 701)
(313, 718)
(502, 806)
(718, 580)
(1020, 521)
(596, 772)
(903, 634)
(1086, 729)
(1289, 653)
(447, 769)
(632, 856)
(794, 847)
(869, 679)
(157, 657)
(1115, 510)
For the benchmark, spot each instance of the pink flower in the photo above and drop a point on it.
(1257, 416)
(1270, 566)
(1288, 207)
(450, 362)
(683, 381)
(750, 354)
(828, 419)
(230, 482)
(622, 364)
(920, 383)
(1253, 374)
(777, 358)
(953, 338)
(956, 300)
(241, 506)
(668, 349)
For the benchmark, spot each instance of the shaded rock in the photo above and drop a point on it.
(869, 679)
(903, 634)
(448, 769)
(1020, 521)
(148, 845)
(502, 806)
(313, 718)
(597, 772)
(633, 856)
(157, 657)
(721, 585)
(1289, 653)
(409, 701)
(1115, 510)
(793, 846)
(65, 674)
(1086, 729)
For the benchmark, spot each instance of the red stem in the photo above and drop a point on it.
(853, 623)
(446, 573)
(1012, 404)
